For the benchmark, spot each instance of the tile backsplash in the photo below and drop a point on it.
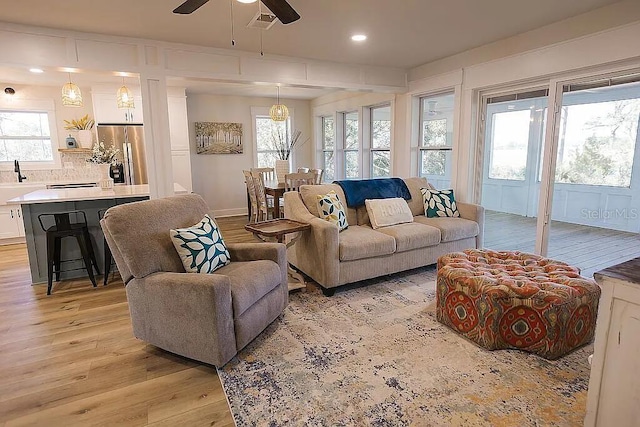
(75, 168)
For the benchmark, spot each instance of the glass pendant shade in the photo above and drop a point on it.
(71, 95)
(125, 98)
(279, 112)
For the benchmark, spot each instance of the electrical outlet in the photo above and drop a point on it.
(68, 165)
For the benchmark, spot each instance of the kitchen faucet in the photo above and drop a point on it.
(16, 169)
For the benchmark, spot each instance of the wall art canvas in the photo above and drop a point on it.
(218, 138)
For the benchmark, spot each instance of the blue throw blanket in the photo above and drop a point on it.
(356, 191)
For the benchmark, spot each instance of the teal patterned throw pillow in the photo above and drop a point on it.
(331, 209)
(439, 203)
(201, 247)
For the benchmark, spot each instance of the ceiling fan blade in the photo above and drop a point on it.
(189, 6)
(282, 10)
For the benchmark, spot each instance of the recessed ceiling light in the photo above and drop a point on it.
(36, 70)
(247, 1)
(358, 37)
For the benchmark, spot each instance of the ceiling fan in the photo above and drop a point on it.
(283, 10)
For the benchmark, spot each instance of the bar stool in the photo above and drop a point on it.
(108, 258)
(62, 227)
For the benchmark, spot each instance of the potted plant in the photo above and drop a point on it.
(83, 125)
(284, 146)
(104, 157)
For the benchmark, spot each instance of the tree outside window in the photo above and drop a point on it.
(381, 141)
(351, 145)
(266, 129)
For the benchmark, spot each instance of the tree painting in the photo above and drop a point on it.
(218, 138)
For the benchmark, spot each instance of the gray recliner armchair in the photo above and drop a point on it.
(206, 317)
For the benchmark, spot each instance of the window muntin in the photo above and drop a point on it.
(436, 138)
(351, 145)
(381, 141)
(266, 130)
(25, 136)
(328, 147)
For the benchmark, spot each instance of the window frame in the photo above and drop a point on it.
(344, 150)
(35, 106)
(263, 112)
(449, 141)
(372, 150)
(323, 148)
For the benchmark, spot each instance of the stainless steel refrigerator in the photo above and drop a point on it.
(129, 139)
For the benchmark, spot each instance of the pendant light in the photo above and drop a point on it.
(125, 97)
(71, 94)
(279, 112)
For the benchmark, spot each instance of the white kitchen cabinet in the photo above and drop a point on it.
(181, 164)
(11, 224)
(178, 123)
(614, 384)
(105, 109)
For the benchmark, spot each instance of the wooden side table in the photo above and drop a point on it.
(278, 228)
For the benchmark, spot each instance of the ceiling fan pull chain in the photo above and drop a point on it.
(233, 39)
(261, 30)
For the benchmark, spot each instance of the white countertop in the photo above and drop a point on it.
(90, 193)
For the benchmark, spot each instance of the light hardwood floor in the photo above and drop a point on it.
(70, 359)
(589, 248)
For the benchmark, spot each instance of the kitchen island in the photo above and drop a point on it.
(90, 200)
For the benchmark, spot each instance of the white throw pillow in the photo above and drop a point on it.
(386, 212)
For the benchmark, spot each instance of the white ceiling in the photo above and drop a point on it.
(402, 33)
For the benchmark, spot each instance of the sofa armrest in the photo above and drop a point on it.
(185, 313)
(475, 213)
(276, 252)
(317, 250)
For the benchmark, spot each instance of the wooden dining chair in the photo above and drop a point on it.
(253, 200)
(293, 181)
(303, 170)
(268, 174)
(264, 208)
(317, 173)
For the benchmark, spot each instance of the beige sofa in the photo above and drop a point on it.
(333, 258)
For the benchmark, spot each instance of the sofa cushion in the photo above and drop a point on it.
(412, 235)
(359, 241)
(387, 212)
(201, 247)
(414, 185)
(308, 194)
(451, 229)
(250, 281)
(331, 209)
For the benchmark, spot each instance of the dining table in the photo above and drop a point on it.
(276, 189)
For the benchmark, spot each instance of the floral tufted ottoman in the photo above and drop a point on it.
(516, 300)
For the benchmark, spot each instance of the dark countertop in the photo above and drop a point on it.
(628, 271)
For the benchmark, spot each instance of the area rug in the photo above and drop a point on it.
(374, 355)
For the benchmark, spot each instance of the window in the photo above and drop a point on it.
(351, 146)
(25, 136)
(598, 135)
(380, 141)
(266, 131)
(328, 145)
(436, 134)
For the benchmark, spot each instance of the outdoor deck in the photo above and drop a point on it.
(589, 248)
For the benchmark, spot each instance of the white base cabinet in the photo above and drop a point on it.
(614, 384)
(11, 224)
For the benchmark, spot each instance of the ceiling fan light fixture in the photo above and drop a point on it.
(124, 97)
(71, 94)
(279, 112)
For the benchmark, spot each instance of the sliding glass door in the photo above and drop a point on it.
(596, 200)
(514, 136)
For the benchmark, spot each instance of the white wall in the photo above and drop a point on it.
(218, 177)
